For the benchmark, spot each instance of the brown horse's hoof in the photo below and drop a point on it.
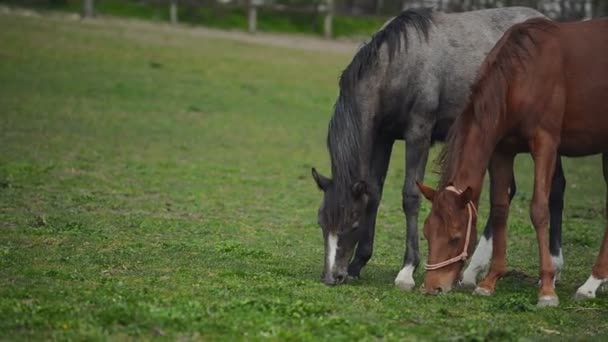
(482, 291)
(547, 301)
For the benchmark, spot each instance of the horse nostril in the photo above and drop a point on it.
(438, 290)
(340, 278)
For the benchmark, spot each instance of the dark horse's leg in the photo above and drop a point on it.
(416, 156)
(381, 156)
(556, 207)
(481, 258)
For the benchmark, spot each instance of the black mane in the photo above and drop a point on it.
(392, 34)
(344, 133)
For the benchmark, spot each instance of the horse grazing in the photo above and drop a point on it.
(409, 82)
(542, 90)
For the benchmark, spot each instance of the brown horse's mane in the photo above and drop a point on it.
(487, 101)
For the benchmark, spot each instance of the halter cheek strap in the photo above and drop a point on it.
(464, 254)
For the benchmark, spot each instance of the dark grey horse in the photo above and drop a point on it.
(409, 82)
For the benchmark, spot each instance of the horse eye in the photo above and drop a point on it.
(455, 240)
(356, 225)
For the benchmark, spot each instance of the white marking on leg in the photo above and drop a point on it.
(332, 245)
(589, 287)
(479, 262)
(558, 266)
(405, 278)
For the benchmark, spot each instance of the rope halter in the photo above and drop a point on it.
(464, 254)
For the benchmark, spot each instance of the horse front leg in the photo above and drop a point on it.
(599, 272)
(544, 153)
(483, 252)
(416, 156)
(381, 155)
(501, 178)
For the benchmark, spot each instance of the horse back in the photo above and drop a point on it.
(585, 70)
(562, 85)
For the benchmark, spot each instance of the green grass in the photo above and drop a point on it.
(157, 183)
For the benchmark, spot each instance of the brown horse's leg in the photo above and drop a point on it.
(501, 174)
(599, 273)
(544, 152)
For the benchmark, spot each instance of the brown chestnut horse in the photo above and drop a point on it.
(542, 89)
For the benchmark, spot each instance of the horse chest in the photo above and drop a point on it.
(513, 144)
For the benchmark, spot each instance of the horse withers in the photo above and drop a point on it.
(409, 82)
(541, 90)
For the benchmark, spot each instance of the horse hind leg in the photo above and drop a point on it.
(599, 272)
(480, 261)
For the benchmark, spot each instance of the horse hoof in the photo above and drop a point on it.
(580, 296)
(405, 285)
(352, 278)
(467, 284)
(481, 291)
(547, 301)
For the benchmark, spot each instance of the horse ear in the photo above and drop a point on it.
(359, 189)
(466, 196)
(427, 192)
(322, 181)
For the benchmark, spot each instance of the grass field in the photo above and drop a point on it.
(154, 183)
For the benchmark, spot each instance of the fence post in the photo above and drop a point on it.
(329, 18)
(173, 12)
(88, 9)
(379, 6)
(253, 15)
(588, 9)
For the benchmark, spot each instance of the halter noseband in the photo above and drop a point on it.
(464, 254)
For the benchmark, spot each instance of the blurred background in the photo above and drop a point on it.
(329, 18)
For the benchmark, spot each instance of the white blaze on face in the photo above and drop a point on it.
(332, 248)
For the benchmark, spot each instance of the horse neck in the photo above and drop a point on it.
(475, 151)
(351, 141)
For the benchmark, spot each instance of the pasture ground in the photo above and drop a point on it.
(157, 184)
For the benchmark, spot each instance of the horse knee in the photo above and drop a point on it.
(499, 214)
(539, 213)
(364, 252)
(410, 202)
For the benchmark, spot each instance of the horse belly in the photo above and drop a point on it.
(585, 125)
(584, 142)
